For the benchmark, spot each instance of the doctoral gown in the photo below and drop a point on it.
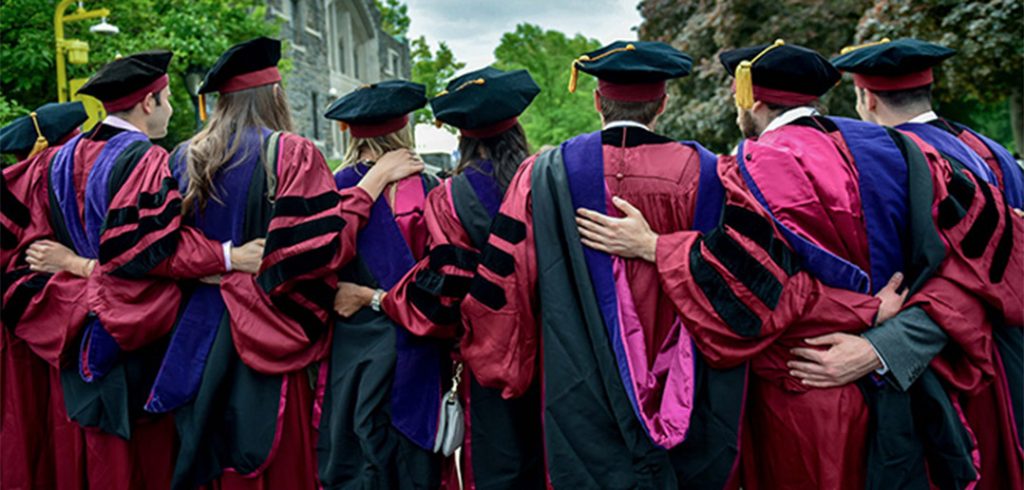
(241, 371)
(380, 401)
(111, 198)
(627, 401)
(502, 446)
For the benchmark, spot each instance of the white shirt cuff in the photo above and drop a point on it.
(226, 246)
(882, 371)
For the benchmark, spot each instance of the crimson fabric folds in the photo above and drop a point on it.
(632, 406)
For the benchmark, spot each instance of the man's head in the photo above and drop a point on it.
(152, 114)
(135, 88)
(892, 79)
(773, 78)
(893, 107)
(643, 112)
(632, 78)
(752, 122)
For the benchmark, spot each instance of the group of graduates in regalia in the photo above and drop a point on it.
(838, 304)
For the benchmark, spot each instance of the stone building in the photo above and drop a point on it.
(334, 46)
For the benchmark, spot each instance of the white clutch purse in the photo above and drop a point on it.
(451, 426)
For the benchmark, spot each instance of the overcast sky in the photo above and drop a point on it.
(473, 29)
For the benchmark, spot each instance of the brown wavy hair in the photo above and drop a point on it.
(218, 143)
(506, 152)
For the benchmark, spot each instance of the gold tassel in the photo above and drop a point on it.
(202, 107)
(343, 126)
(745, 78)
(865, 45)
(478, 81)
(41, 143)
(574, 74)
(438, 123)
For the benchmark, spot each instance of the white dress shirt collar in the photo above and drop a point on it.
(119, 123)
(927, 117)
(621, 124)
(790, 116)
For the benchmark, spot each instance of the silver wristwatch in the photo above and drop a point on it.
(375, 300)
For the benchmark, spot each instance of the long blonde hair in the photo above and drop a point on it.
(220, 141)
(378, 145)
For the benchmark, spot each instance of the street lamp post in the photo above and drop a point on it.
(77, 51)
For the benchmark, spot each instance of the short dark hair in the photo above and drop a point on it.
(156, 98)
(780, 108)
(621, 110)
(904, 98)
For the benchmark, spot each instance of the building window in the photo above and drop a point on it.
(355, 63)
(298, 19)
(340, 55)
(315, 107)
(393, 62)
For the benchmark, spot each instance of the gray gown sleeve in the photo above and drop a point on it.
(907, 343)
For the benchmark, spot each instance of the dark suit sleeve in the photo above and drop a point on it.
(907, 343)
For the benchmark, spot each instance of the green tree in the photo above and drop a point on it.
(701, 106)
(394, 17)
(197, 31)
(555, 115)
(984, 82)
(433, 69)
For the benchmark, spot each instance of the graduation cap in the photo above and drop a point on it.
(778, 73)
(243, 66)
(486, 102)
(124, 82)
(47, 125)
(378, 108)
(633, 71)
(886, 65)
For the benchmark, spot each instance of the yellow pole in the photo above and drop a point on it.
(58, 33)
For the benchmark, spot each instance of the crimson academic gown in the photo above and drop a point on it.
(501, 447)
(784, 446)
(36, 433)
(250, 419)
(619, 406)
(116, 203)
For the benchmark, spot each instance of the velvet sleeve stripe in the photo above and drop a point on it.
(442, 285)
(980, 234)
(13, 209)
(451, 255)
(305, 206)
(280, 238)
(1001, 258)
(25, 288)
(147, 259)
(760, 231)
(168, 219)
(429, 305)
(147, 200)
(497, 260)
(295, 266)
(726, 304)
(755, 276)
(509, 229)
(8, 239)
(487, 293)
(312, 325)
